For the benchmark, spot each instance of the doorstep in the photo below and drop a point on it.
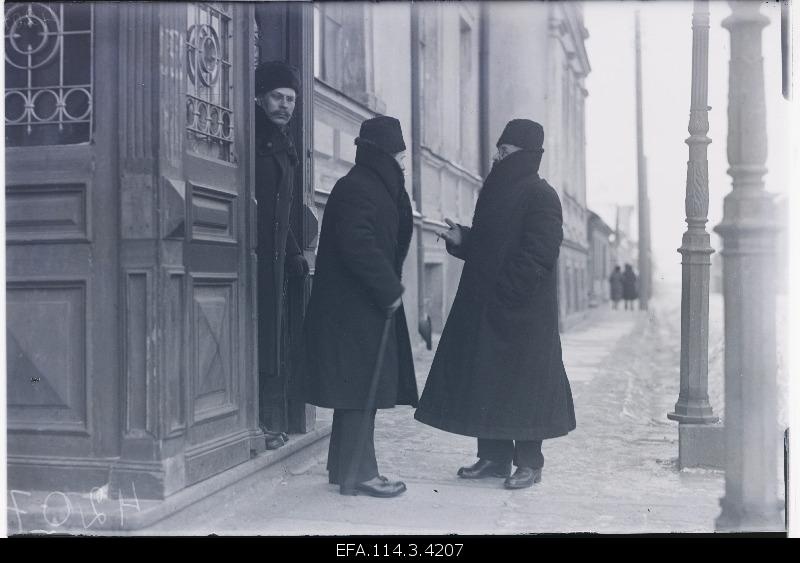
(56, 512)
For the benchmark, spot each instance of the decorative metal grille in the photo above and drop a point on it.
(209, 98)
(49, 73)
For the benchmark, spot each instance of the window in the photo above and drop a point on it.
(340, 59)
(468, 92)
(430, 75)
(48, 91)
(209, 84)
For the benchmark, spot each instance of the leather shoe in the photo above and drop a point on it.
(485, 468)
(523, 478)
(275, 440)
(378, 486)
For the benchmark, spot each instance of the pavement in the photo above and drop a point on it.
(616, 473)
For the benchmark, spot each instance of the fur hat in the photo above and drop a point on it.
(383, 132)
(276, 74)
(523, 133)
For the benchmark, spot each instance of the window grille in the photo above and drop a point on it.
(49, 73)
(209, 97)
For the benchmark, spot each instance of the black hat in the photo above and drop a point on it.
(523, 133)
(383, 132)
(276, 74)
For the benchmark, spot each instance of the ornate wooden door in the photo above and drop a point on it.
(219, 239)
(61, 237)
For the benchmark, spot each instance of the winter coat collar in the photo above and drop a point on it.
(514, 167)
(271, 139)
(384, 165)
(391, 175)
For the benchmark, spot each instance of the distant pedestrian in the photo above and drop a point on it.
(616, 286)
(498, 373)
(630, 287)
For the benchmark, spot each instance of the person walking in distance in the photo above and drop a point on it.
(630, 287)
(615, 281)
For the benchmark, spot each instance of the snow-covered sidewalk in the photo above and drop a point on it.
(616, 473)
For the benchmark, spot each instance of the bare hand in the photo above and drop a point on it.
(453, 235)
(394, 306)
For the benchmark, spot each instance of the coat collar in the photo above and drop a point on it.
(384, 166)
(514, 167)
(272, 139)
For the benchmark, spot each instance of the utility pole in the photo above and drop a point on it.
(644, 202)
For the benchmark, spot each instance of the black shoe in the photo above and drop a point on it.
(378, 486)
(485, 468)
(274, 440)
(523, 478)
(332, 479)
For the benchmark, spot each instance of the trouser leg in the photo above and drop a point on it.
(333, 448)
(499, 451)
(342, 451)
(528, 453)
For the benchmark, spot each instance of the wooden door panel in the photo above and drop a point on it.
(62, 232)
(217, 175)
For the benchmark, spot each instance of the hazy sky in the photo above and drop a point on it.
(666, 62)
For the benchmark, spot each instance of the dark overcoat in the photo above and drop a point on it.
(616, 285)
(630, 286)
(275, 164)
(365, 237)
(498, 372)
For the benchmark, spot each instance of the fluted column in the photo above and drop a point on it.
(749, 233)
(693, 406)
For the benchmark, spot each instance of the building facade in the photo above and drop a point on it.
(602, 259)
(130, 224)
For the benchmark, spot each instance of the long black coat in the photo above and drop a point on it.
(498, 371)
(630, 286)
(275, 164)
(365, 236)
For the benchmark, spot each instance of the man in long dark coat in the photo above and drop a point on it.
(365, 236)
(498, 373)
(276, 88)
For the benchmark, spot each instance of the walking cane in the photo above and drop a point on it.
(350, 481)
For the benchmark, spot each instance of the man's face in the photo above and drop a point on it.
(279, 105)
(401, 160)
(503, 151)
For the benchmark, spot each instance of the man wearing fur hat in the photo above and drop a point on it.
(365, 236)
(276, 89)
(498, 373)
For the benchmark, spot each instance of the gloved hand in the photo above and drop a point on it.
(296, 265)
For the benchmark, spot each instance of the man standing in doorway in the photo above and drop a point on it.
(276, 89)
(498, 373)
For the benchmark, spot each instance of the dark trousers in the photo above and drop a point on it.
(524, 453)
(344, 442)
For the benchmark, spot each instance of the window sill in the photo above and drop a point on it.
(367, 100)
